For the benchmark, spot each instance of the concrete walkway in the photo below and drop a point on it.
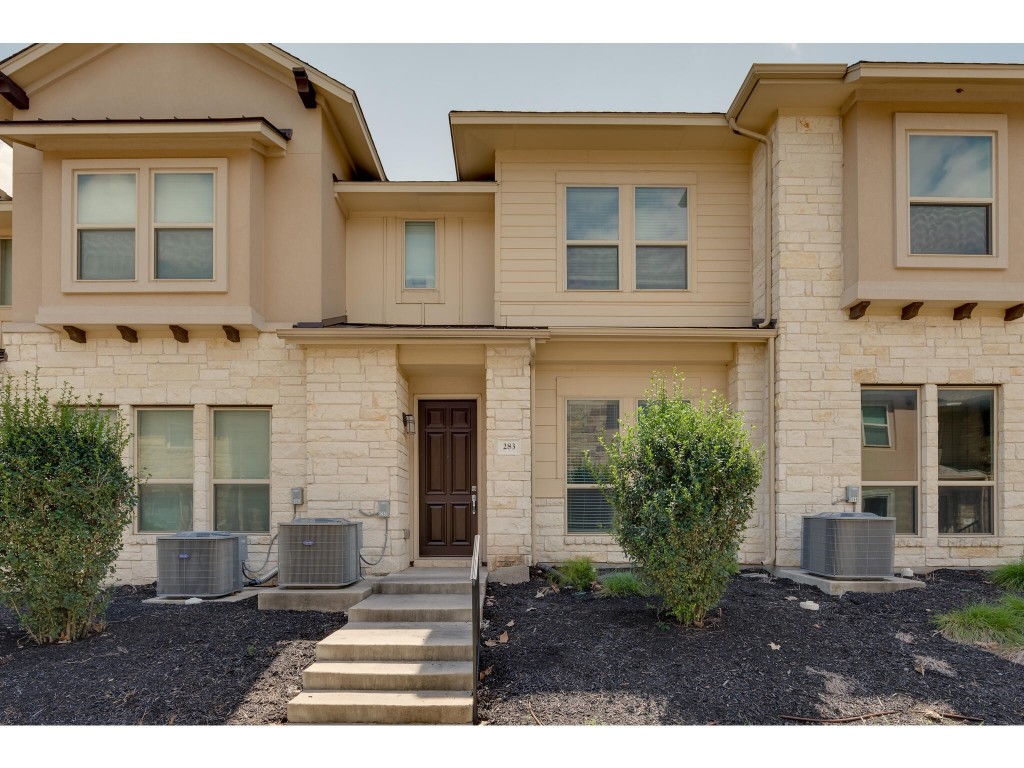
(405, 655)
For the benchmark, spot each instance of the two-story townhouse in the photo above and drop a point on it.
(270, 313)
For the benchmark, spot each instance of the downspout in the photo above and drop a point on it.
(765, 323)
(533, 504)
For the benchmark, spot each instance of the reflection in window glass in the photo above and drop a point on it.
(592, 234)
(889, 455)
(966, 460)
(6, 273)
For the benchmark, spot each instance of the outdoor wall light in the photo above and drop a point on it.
(410, 423)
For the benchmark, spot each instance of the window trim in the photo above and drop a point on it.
(993, 484)
(160, 481)
(214, 481)
(145, 171)
(907, 124)
(626, 183)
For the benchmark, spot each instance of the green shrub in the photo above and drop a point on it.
(65, 498)
(1001, 623)
(681, 481)
(577, 572)
(623, 584)
(1010, 576)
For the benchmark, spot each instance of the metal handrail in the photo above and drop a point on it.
(474, 582)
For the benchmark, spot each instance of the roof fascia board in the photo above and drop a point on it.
(386, 187)
(882, 72)
(782, 73)
(344, 336)
(646, 334)
(581, 119)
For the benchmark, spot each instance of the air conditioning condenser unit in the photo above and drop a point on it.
(849, 545)
(200, 564)
(319, 552)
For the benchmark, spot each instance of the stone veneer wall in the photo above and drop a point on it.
(747, 393)
(207, 372)
(824, 358)
(358, 452)
(509, 486)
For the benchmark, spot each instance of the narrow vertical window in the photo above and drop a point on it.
(592, 238)
(183, 219)
(241, 470)
(966, 460)
(164, 448)
(662, 233)
(587, 510)
(6, 271)
(420, 254)
(105, 217)
(890, 457)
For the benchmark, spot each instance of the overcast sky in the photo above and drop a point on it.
(407, 89)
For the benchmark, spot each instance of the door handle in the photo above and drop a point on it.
(473, 498)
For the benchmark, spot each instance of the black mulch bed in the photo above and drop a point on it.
(568, 659)
(581, 659)
(206, 663)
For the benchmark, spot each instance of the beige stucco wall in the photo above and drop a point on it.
(465, 275)
(279, 242)
(823, 359)
(529, 232)
(870, 200)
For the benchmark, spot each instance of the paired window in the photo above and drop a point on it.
(158, 223)
(952, 177)
(891, 458)
(240, 469)
(647, 225)
(6, 270)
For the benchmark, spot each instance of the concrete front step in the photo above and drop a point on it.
(388, 676)
(422, 585)
(401, 641)
(391, 707)
(428, 608)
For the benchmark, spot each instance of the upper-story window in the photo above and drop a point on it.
(146, 225)
(6, 271)
(635, 237)
(951, 177)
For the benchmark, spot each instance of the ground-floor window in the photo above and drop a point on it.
(966, 450)
(890, 455)
(241, 470)
(164, 460)
(892, 460)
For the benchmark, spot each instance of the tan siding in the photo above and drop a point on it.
(529, 236)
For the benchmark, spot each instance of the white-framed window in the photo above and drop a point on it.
(891, 454)
(952, 190)
(420, 256)
(967, 447)
(6, 272)
(153, 225)
(627, 236)
(241, 469)
(164, 456)
(587, 422)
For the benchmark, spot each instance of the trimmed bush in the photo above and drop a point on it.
(681, 481)
(1001, 623)
(65, 498)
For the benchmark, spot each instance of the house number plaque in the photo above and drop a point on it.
(508, 448)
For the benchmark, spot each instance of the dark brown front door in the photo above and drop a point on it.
(448, 487)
